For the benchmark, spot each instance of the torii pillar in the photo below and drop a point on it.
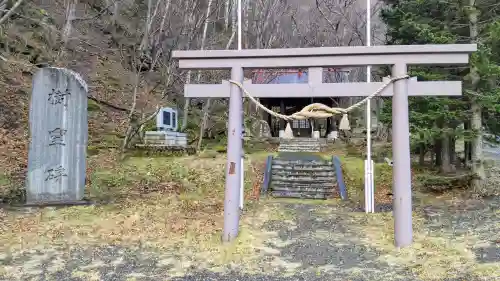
(399, 57)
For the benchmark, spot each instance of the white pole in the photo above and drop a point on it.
(369, 184)
(242, 169)
(373, 186)
(367, 189)
(239, 25)
(242, 184)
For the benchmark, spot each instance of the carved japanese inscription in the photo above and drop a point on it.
(56, 136)
(59, 97)
(58, 129)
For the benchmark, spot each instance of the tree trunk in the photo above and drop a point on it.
(187, 101)
(445, 153)
(207, 105)
(438, 145)
(157, 41)
(203, 124)
(68, 26)
(227, 14)
(421, 158)
(476, 125)
(433, 156)
(453, 158)
(147, 27)
(131, 118)
(438, 153)
(477, 148)
(246, 25)
(188, 18)
(3, 7)
(206, 108)
(467, 146)
(11, 11)
(113, 10)
(379, 103)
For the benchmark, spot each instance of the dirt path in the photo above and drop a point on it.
(457, 241)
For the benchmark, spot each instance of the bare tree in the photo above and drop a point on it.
(264, 18)
(207, 105)
(187, 101)
(227, 11)
(346, 21)
(476, 109)
(206, 109)
(8, 13)
(156, 32)
(70, 16)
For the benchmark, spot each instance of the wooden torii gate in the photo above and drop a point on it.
(397, 56)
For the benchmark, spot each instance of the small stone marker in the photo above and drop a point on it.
(59, 133)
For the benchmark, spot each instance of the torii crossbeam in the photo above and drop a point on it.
(398, 57)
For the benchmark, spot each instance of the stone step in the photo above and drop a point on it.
(303, 189)
(300, 145)
(302, 173)
(284, 162)
(301, 167)
(303, 179)
(299, 150)
(301, 195)
(300, 156)
(297, 185)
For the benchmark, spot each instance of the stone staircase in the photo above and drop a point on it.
(299, 171)
(301, 145)
(302, 175)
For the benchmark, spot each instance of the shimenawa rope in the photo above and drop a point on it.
(319, 110)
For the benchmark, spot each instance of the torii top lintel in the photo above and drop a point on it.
(326, 56)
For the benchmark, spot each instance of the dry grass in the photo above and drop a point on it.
(157, 203)
(434, 254)
(175, 205)
(317, 202)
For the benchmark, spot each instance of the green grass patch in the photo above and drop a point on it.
(93, 106)
(354, 174)
(4, 180)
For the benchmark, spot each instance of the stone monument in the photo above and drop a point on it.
(59, 133)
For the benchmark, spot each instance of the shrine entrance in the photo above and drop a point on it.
(300, 128)
(287, 105)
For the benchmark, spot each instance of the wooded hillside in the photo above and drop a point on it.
(122, 49)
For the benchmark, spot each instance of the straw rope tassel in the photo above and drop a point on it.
(318, 110)
(288, 131)
(344, 123)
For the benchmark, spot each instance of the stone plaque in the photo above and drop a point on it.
(59, 133)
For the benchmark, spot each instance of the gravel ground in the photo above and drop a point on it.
(314, 242)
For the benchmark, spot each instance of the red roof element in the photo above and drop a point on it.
(260, 75)
(293, 70)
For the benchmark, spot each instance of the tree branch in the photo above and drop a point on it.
(108, 104)
(9, 13)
